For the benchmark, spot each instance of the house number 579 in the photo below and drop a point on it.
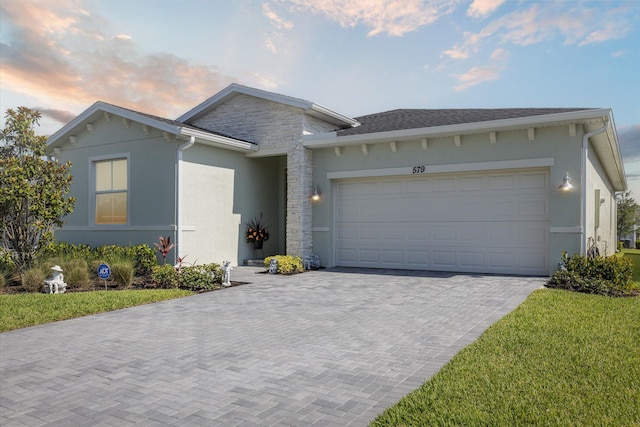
(418, 169)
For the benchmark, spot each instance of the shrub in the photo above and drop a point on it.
(66, 250)
(287, 264)
(32, 279)
(122, 273)
(143, 256)
(620, 245)
(76, 275)
(611, 275)
(638, 244)
(197, 278)
(165, 276)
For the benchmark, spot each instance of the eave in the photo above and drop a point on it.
(311, 108)
(99, 110)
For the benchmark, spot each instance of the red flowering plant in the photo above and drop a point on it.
(257, 230)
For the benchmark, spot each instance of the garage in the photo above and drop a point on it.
(484, 222)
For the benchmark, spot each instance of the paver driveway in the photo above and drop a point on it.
(331, 347)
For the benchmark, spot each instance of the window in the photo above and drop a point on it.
(111, 191)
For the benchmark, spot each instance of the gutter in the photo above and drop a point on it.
(181, 149)
(583, 183)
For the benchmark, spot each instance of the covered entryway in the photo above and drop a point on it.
(488, 222)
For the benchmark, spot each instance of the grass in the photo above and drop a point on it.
(560, 358)
(22, 310)
(634, 256)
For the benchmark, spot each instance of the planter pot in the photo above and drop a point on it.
(257, 244)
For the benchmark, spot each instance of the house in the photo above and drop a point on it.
(464, 190)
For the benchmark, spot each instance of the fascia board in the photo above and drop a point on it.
(234, 89)
(218, 140)
(340, 118)
(331, 139)
(69, 129)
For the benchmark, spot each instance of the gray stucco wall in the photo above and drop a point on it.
(549, 142)
(151, 184)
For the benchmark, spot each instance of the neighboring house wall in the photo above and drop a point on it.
(223, 190)
(550, 142)
(151, 184)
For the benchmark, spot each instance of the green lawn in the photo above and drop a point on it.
(22, 310)
(560, 358)
(634, 256)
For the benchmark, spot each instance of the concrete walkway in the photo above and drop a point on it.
(330, 347)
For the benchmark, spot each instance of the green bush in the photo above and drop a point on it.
(197, 278)
(287, 264)
(122, 273)
(32, 280)
(620, 246)
(611, 275)
(638, 244)
(143, 256)
(165, 276)
(76, 273)
(66, 250)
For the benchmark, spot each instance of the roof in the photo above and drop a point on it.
(425, 118)
(172, 127)
(234, 89)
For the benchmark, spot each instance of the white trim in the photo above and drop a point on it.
(269, 151)
(577, 229)
(319, 229)
(330, 138)
(436, 169)
(209, 138)
(233, 89)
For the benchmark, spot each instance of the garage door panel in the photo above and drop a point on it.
(476, 222)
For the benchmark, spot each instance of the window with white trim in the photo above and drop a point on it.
(111, 191)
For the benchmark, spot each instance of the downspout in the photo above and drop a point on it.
(583, 183)
(181, 149)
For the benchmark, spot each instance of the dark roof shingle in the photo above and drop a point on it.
(422, 118)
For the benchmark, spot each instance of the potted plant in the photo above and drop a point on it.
(257, 232)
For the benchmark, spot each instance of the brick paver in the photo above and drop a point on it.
(329, 348)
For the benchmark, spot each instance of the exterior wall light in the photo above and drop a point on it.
(316, 194)
(566, 183)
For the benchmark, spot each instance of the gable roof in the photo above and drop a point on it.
(102, 109)
(425, 118)
(234, 89)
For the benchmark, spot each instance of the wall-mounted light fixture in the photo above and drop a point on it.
(316, 194)
(566, 183)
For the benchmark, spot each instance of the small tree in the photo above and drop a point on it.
(32, 188)
(627, 214)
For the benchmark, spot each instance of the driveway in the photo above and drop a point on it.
(329, 347)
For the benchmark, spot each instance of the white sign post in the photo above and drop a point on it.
(104, 272)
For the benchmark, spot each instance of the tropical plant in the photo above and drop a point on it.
(257, 230)
(164, 247)
(32, 189)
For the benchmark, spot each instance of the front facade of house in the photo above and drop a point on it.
(448, 190)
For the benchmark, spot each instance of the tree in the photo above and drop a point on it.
(32, 189)
(627, 214)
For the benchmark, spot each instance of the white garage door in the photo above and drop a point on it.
(489, 222)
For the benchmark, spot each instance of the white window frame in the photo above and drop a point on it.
(92, 187)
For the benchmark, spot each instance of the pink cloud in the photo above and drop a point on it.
(393, 17)
(482, 8)
(62, 55)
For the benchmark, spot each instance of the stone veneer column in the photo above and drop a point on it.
(299, 187)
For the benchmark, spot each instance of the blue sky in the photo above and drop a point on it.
(354, 56)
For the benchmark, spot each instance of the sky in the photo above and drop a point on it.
(355, 57)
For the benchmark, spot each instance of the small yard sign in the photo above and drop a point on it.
(104, 272)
